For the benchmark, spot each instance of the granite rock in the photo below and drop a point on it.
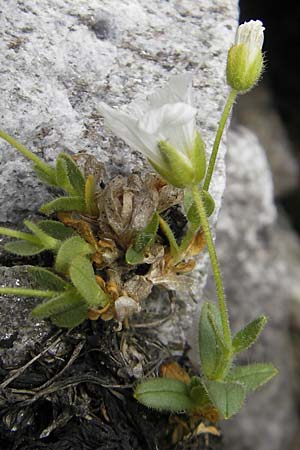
(60, 58)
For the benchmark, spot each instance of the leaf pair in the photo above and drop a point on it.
(46, 235)
(69, 306)
(222, 386)
(227, 386)
(81, 192)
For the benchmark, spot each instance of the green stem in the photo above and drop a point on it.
(170, 236)
(27, 292)
(229, 103)
(27, 153)
(214, 263)
(19, 235)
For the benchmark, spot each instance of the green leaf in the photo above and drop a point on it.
(191, 209)
(164, 394)
(72, 318)
(83, 277)
(143, 240)
(70, 249)
(75, 176)
(252, 376)
(227, 397)
(90, 196)
(63, 204)
(211, 352)
(47, 241)
(47, 280)
(248, 335)
(56, 229)
(62, 179)
(24, 248)
(46, 177)
(63, 302)
(198, 392)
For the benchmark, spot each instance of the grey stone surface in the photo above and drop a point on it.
(59, 59)
(256, 110)
(260, 262)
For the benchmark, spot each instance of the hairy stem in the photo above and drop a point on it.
(214, 263)
(27, 153)
(26, 292)
(19, 235)
(229, 103)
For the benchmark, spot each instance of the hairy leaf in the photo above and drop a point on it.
(135, 253)
(63, 302)
(24, 248)
(72, 318)
(198, 392)
(211, 355)
(164, 394)
(47, 241)
(191, 209)
(46, 177)
(63, 204)
(62, 179)
(56, 229)
(76, 178)
(47, 280)
(227, 397)
(70, 249)
(83, 277)
(90, 199)
(252, 376)
(248, 335)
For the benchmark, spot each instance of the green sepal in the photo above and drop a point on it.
(56, 229)
(177, 171)
(191, 209)
(71, 175)
(252, 376)
(63, 204)
(70, 249)
(211, 351)
(248, 335)
(198, 392)
(63, 302)
(24, 248)
(47, 280)
(164, 394)
(227, 397)
(198, 158)
(83, 277)
(143, 240)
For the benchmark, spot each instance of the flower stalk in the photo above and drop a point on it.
(214, 263)
(226, 112)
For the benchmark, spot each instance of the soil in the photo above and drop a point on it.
(75, 393)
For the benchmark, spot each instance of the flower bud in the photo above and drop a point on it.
(245, 58)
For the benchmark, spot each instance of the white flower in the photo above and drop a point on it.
(163, 129)
(245, 58)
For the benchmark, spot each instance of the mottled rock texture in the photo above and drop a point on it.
(260, 264)
(60, 58)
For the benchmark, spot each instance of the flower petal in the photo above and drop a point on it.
(179, 89)
(127, 129)
(167, 116)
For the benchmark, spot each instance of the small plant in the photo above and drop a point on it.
(102, 234)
